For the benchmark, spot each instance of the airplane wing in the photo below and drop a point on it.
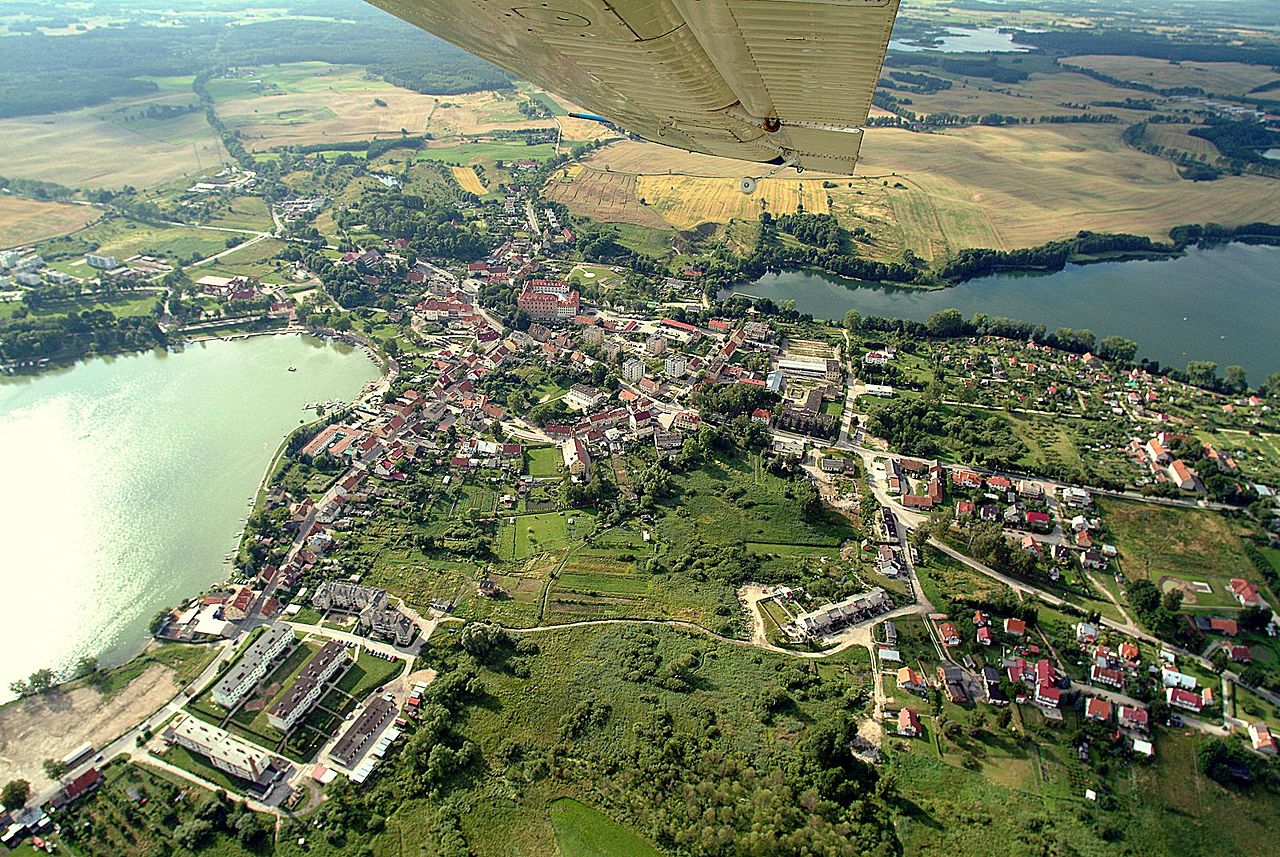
(760, 80)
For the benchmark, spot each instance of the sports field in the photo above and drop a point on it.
(25, 221)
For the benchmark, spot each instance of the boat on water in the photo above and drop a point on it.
(293, 368)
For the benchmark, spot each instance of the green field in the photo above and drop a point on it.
(1156, 542)
(469, 153)
(542, 461)
(122, 238)
(121, 304)
(585, 832)
(243, 212)
(368, 674)
(251, 260)
(522, 536)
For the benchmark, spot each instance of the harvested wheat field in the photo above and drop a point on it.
(479, 113)
(1179, 137)
(468, 180)
(286, 106)
(98, 148)
(25, 221)
(1038, 183)
(1215, 78)
(607, 197)
(686, 201)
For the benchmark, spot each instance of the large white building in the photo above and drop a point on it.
(675, 366)
(832, 616)
(633, 370)
(225, 751)
(576, 459)
(253, 665)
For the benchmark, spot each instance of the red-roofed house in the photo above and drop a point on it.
(1097, 709)
(1245, 592)
(1103, 675)
(909, 723)
(83, 784)
(1015, 627)
(1133, 718)
(1184, 699)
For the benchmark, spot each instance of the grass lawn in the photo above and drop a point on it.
(542, 461)
(367, 674)
(200, 766)
(585, 832)
(244, 212)
(520, 537)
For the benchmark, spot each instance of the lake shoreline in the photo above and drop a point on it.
(1145, 255)
(1169, 303)
(116, 643)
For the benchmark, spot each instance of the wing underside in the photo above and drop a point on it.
(760, 80)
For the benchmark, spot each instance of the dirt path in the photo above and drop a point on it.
(53, 724)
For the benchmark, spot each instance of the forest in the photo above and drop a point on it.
(76, 335)
(46, 74)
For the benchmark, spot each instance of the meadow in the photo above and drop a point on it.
(313, 103)
(582, 831)
(121, 237)
(26, 221)
(1156, 542)
(112, 145)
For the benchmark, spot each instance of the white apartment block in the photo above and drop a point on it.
(253, 665)
(225, 751)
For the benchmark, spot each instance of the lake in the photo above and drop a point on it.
(1220, 304)
(128, 478)
(965, 40)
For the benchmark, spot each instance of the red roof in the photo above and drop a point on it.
(81, 784)
(679, 325)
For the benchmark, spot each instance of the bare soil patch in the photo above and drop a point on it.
(51, 725)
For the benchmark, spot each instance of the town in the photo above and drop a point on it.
(559, 443)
